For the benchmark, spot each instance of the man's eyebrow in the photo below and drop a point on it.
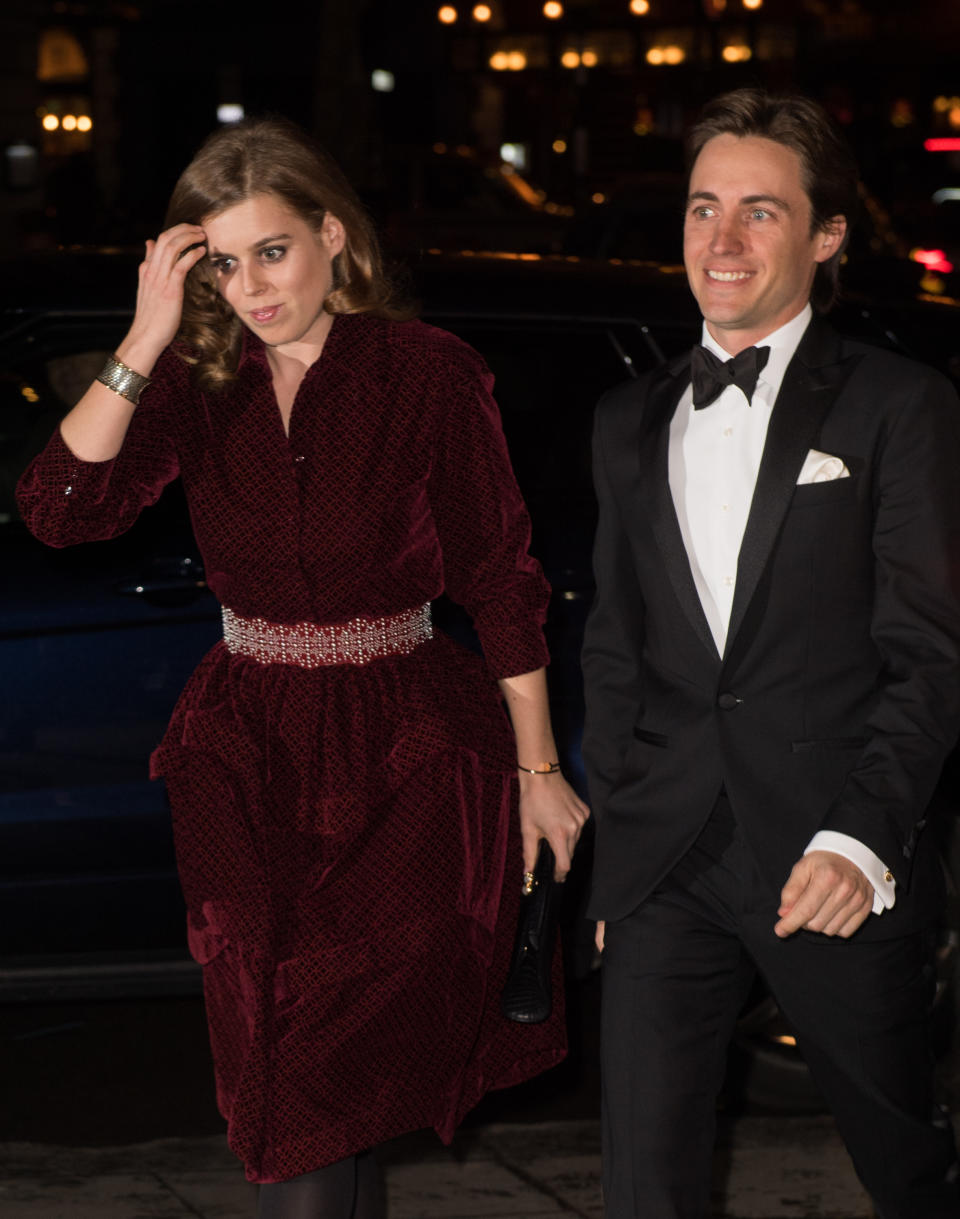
(746, 200)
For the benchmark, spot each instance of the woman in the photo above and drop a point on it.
(343, 781)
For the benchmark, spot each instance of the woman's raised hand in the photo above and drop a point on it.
(160, 294)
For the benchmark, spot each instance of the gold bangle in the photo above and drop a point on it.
(545, 768)
(122, 380)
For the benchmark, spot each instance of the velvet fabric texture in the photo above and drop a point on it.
(347, 836)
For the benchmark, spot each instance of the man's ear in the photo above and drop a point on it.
(830, 238)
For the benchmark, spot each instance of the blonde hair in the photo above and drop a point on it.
(270, 157)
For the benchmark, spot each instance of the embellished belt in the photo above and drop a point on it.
(311, 645)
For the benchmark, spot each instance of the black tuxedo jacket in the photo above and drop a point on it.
(837, 697)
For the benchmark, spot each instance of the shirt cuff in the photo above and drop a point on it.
(878, 874)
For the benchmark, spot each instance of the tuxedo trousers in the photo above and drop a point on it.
(676, 973)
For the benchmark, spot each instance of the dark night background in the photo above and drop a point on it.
(150, 74)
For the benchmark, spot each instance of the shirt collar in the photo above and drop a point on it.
(783, 343)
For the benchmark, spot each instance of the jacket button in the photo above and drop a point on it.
(727, 701)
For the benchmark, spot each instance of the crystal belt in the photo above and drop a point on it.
(311, 645)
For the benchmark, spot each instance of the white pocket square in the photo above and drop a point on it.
(821, 468)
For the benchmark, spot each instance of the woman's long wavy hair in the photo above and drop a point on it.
(270, 157)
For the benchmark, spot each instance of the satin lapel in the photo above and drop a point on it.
(810, 387)
(654, 484)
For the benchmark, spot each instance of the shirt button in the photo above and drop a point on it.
(728, 581)
(725, 507)
(728, 431)
(727, 701)
(888, 876)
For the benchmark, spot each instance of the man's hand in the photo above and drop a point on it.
(826, 893)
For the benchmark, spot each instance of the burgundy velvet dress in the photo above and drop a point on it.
(347, 835)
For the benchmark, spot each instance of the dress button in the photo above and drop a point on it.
(727, 701)
(888, 876)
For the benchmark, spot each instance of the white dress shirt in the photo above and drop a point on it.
(714, 459)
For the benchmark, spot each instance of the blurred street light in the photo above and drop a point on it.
(589, 59)
(570, 59)
(447, 14)
(639, 8)
(482, 12)
(50, 122)
(736, 52)
(69, 122)
(752, 4)
(553, 9)
(84, 122)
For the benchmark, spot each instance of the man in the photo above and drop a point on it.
(772, 668)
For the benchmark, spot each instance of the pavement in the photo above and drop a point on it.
(765, 1168)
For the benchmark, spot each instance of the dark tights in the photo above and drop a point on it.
(349, 1189)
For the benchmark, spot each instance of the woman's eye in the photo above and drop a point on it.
(222, 265)
(273, 253)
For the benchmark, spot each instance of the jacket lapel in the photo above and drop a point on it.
(654, 483)
(810, 387)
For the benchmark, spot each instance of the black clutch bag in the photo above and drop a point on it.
(527, 997)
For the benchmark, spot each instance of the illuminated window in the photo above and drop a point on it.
(60, 56)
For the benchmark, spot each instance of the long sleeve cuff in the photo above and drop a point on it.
(878, 874)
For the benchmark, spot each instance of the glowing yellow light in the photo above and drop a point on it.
(500, 61)
(516, 61)
(673, 55)
(447, 14)
(655, 55)
(736, 52)
(553, 9)
(640, 8)
(84, 122)
(29, 393)
(570, 59)
(50, 122)
(752, 4)
(953, 118)
(440, 149)
(598, 197)
(482, 12)
(559, 146)
(69, 122)
(589, 59)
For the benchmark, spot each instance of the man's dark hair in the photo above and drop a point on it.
(827, 166)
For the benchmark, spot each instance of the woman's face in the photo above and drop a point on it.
(273, 269)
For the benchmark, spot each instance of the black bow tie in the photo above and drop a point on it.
(711, 376)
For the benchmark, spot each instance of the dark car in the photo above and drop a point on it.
(97, 641)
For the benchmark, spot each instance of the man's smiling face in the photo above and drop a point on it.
(747, 245)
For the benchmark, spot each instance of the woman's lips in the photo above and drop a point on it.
(261, 316)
